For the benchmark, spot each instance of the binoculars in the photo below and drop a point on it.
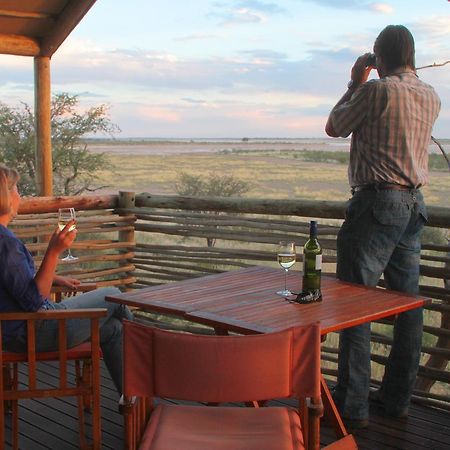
(372, 60)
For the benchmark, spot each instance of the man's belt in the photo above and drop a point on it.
(381, 187)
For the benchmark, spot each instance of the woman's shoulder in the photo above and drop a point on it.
(10, 245)
(7, 236)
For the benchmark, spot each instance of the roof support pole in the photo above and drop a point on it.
(42, 103)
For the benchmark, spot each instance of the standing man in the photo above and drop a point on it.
(391, 121)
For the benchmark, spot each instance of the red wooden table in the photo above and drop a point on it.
(245, 301)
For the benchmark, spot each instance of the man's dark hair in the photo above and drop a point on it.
(395, 45)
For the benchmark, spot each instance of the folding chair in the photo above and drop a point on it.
(218, 369)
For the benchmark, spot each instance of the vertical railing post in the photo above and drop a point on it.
(127, 201)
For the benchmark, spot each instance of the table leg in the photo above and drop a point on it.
(331, 413)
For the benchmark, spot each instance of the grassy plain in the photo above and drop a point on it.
(271, 174)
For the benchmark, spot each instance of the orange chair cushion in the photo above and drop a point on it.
(176, 427)
(78, 352)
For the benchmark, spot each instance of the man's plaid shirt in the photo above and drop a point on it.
(391, 120)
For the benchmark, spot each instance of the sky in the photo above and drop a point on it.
(229, 68)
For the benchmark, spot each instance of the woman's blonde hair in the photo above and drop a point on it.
(8, 179)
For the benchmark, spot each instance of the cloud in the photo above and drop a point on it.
(266, 55)
(432, 36)
(194, 101)
(248, 72)
(196, 37)
(432, 27)
(347, 4)
(242, 16)
(382, 8)
(245, 12)
(157, 113)
(269, 8)
(19, 69)
(253, 92)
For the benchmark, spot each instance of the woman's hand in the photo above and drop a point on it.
(62, 240)
(69, 282)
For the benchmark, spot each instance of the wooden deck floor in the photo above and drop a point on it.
(52, 424)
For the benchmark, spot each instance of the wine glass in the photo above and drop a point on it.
(286, 259)
(64, 216)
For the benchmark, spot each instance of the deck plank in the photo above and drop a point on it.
(49, 424)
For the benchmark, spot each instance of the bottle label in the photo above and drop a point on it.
(318, 262)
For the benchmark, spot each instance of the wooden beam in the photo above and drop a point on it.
(65, 23)
(438, 216)
(297, 207)
(24, 15)
(11, 44)
(37, 205)
(42, 101)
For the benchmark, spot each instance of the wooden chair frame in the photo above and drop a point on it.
(138, 410)
(89, 352)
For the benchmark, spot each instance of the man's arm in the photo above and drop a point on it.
(345, 98)
(360, 73)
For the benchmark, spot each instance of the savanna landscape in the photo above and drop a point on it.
(311, 169)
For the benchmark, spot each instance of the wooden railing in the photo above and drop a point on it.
(181, 237)
(105, 239)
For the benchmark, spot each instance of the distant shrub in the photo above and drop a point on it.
(211, 185)
(437, 162)
(435, 236)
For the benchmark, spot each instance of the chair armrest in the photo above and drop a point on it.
(58, 291)
(58, 314)
(82, 287)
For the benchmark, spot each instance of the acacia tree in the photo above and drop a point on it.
(211, 185)
(74, 167)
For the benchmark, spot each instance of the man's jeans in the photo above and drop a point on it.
(79, 330)
(380, 235)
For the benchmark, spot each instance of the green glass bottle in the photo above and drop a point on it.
(312, 260)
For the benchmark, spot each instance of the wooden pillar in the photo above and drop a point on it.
(127, 200)
(42, 113)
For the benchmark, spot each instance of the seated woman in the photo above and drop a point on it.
(22, 288)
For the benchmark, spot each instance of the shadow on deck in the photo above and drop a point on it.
(53, 424)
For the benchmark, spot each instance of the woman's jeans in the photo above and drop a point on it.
(381, 234)
(79, 330)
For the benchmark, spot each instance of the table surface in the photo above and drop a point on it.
(245, 301)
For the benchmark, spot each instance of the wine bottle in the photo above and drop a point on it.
(312, 262)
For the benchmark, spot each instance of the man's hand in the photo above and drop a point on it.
(360, 73)
(361, 69)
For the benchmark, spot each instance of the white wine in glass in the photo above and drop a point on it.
(65, 215)
(286, 257)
